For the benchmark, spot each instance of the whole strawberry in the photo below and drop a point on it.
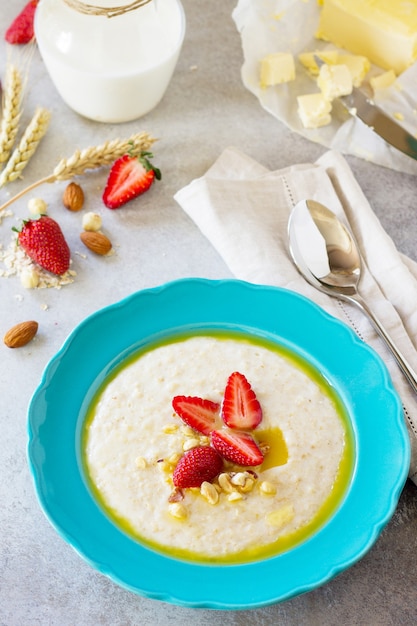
(21, 30)
(129, 177)
(197, 465)
(43, 240)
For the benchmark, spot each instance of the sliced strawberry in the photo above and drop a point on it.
(21, 30)
(129, 177)
(202, 415)
(238, 447)
(240, 407)
(197, 465)
(44, 242)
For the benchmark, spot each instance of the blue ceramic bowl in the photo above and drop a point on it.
(104, 339)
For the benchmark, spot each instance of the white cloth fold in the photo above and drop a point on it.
(243, 209)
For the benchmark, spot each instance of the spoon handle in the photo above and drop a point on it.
(402, 362)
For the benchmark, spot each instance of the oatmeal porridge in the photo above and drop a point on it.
(133, 440)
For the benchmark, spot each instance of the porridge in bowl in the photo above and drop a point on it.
(218, 447)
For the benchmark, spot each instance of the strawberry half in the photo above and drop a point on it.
(129, 177)
(240, 407)
(201, 415)
(197, 465)
(21, 29)
(43, 240)
(240, 448)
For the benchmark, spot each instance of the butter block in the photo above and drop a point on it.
(314, 110)
(277, 68)
(334, 81)
(384, 31)
(383, 80)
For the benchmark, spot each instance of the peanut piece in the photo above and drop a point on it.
(224, 482)
(267, 488)
(209, 492)
(177, 510)
(190, 443)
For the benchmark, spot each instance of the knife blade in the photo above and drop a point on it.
(363, 107)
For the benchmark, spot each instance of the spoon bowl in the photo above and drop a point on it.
(326, 254)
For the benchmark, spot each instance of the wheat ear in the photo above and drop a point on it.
(12, 101)
(27, 146)
(91, 158)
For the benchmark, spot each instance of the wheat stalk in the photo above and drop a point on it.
(91, 158)
(11, 111)
(27, 146)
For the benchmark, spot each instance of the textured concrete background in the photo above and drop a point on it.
(42, 580)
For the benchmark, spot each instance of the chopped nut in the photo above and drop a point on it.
(174, 458)
(29, 278)
(209, 492)
(267, 488)
(224, 482)
(177, 495)
(235, 496)
(37, 206)
(248, 486)
(73, 197)
(91, 221)
(177, 510)
(190, 443)
(239, 478)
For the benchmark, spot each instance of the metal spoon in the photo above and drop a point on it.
(326, 254)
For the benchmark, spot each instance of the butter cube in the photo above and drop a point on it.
(277, 68)
(314, 110)
(357, 65)
(384, 32)
(334, 81)
(309, 61)
(383, 80)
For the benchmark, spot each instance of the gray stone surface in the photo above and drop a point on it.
(42, 580)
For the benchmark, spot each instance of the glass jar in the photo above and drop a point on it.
(110, 68)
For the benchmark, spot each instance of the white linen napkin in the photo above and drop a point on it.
(243, 209)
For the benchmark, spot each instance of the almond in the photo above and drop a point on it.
(73, 197)
(96, 242)
(20, 334)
